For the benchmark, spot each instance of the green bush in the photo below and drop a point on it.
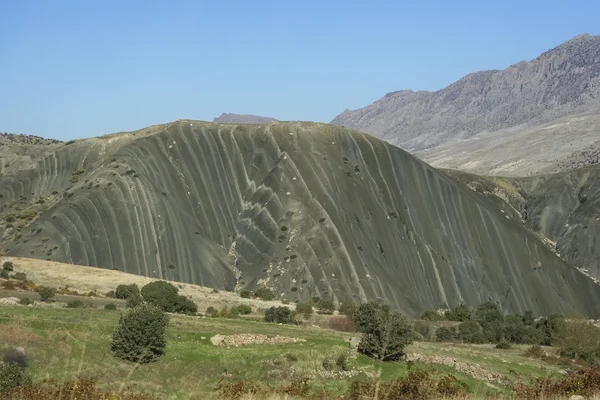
(110, 306)
(4, 274)
(460, 313)
(445, 334)
(264, 293)
(140, 334)
(385, 332)
(211, 311)
(20, 276)
(13, 375)
(470, 332)
(347, 308)
(164, 295)
(243, 309)
(503, 344)
(245, 294)
(431, 315)
(126, 291)
(25, 301)
(111, 294)
(75, 304)
(515, 329)
(304, 308)
(134, 300)
(8, 266)
(325, 307)
(579, 339)
(46, 293)
(343, 362)
(279, 315)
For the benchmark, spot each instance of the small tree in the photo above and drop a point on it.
(4, 274)
(13, 371)
(470, 332)
(325, 307)
(304, 308)
(127, 291)
(279, 315)
(445, 334)
(8, 266)
(460, 313)
(385, 332)
(245, 294)
(164, 295)
(140, 334)
(347, 308)
(264, 293)
(46, 293)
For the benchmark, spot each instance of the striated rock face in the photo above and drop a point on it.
(226, 118)
(306, 209)
(563, 208)
(562, 81)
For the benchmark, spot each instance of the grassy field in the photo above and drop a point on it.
(65, 343)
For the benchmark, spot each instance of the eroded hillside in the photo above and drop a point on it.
(307, 209)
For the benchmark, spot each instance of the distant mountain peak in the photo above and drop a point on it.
(562, 81)
(229, 118)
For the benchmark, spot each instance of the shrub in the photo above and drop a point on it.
(343, 362)
(245, 294)
(342, 323)
(279, 315)
(503, 344)
(211, 311)
(126, 291)
(12, 375)
(20, 276)
(110, 306)
(534, 351)
(347, 308)
(133, 301)
(244, 309)
(549, 328)
(79, 388)
(385, 332)
(581, 383)
(140, 334)
(460, 313)
(46, 293)
(445, 334)
(264, 293)
(25, 301)
(431, 315)
(164, 295)
(111, 294)
(470, 332)
(325, 307)
(16, 357)
(7, 266)
(75, 304)
(304, 308)
(579, 339)
(515, 329)
(4, 274)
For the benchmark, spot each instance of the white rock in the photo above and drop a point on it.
(288, 193)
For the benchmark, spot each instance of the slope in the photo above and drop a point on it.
(561, 82)
(306, 209)
(563, 208)
(226, 118)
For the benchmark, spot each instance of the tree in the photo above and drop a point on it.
(304, 308)
(459, 313)
(279, 315)
(325, 307)
(431, 315)
(470, 332)
(515, 329)
(164, 295)
(127, 291)
(445, 334)
(578, 339)
(245, 294)
(46, 293)
(385, 333)
(140, 334)
(264, 293)
(347, 308)
(7, 266)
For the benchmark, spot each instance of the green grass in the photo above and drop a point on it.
(64, 343)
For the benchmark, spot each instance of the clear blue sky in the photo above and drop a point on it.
(71, 69)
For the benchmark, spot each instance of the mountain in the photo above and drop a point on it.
(242, 119)
(564, 209)
(306, 209)
(561, 82)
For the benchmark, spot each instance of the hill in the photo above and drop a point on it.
(305, 209)
(464, 117)
(226, 118)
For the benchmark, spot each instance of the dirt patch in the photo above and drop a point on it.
(244, 339)
(472, 370)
